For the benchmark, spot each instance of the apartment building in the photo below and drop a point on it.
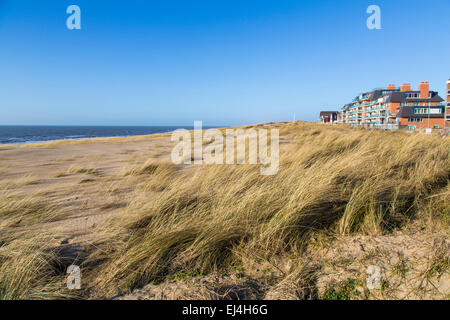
(396, 108)
(447, 106)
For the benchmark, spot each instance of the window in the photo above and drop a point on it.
(436, 110)
(411, 127)
(415, 120)
(421, 110)
(436, 126)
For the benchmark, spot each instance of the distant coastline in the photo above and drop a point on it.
(22, 134)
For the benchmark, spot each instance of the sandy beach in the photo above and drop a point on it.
(82, 178)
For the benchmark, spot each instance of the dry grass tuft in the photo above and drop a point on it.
(26, 211)
(331, 178)
(24, 180)
(29, 269)
(151, 167)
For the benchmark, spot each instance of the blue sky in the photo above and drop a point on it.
(224, 62)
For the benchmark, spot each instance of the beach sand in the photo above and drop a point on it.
(84, 179)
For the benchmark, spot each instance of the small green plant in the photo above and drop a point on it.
(345, 290)
(438, 266)
(384, 286)
(400, 269)
(185, 275)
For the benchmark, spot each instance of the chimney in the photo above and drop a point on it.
(424, 88)
(405, 87)
(390, 87)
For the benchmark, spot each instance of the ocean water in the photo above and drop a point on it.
(32, 134)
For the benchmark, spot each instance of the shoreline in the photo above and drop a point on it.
(73, 140)
(43, 143)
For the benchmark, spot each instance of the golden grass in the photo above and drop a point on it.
(77, 169)
(150, 167)
(210, 219)
(30, 269)
(331, 178)
(24, 211)
(24, 180)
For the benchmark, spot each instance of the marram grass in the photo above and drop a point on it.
(230, 219)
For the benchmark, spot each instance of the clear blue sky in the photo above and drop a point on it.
(224, 62)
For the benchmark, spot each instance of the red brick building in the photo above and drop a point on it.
(396, 108)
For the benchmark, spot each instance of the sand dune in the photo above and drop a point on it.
(141, 227)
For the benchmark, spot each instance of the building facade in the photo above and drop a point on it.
(328, 117)
(396, 108)
(447, 106)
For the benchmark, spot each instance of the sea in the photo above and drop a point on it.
(34, 134)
